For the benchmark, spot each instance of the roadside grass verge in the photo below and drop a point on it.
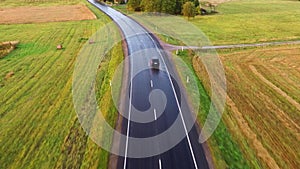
(94, 156)
(225, 151)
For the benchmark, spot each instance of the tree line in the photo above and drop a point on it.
(173, 7)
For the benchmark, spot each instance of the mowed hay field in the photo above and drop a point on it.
(45, 14)
(38, 124)
(12, 3)
(263, 103)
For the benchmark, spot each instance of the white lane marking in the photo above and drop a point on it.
(172, 85)
(151, 83)
(159, 164)
(155, 117)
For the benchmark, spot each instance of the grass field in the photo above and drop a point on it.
(38, 124)
(251, 21)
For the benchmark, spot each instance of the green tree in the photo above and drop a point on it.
(178, 6)
(168, 6)
(159, 5)
(149, 5)
(189, 9)
(134, 5)
(196, 2)
(162, 6)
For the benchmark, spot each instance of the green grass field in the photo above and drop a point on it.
(246, 21)
(38, 124)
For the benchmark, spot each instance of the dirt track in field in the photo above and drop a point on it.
(32, 14)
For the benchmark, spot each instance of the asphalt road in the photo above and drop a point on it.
(142, 46)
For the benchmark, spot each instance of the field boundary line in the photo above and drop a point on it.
(250, 45)
(234, 46)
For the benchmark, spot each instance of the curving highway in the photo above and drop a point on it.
(142, 46)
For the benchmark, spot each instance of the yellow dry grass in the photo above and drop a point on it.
(36, 14)
(7, 47)
(263, 102)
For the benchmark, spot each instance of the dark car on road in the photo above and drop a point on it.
(154, 63)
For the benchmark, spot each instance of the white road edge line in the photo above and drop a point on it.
(129, 114)
(184, 126)
(159, 164)
(130, 100)
(155, 117)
